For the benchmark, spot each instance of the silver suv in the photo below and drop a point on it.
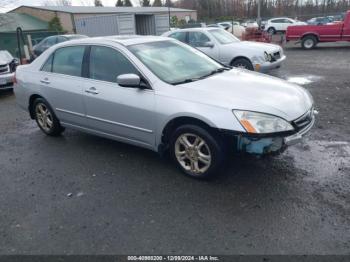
(163, 95)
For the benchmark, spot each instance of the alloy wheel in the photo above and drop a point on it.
(44, 117)
(193, 153)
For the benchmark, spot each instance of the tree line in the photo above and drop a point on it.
(303, 9)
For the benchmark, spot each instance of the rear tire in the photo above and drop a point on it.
(309, 42)
(196, 151)
(271, 31)
(243, 63)
(45, 118)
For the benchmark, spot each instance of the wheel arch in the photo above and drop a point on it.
(310, 34)
(240, 57)
(32, 98)
(170, 126)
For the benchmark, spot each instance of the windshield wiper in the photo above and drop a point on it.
(216, 71)
(189, 80)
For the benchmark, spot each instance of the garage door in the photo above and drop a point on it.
(162, 24)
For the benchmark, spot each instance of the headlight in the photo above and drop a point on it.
(266, 55)
(261, 123)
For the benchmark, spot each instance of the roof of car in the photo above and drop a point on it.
(125, 40)
(198, 29)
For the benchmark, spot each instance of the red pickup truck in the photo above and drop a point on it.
(310, 35)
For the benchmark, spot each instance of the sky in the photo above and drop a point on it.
(7, 5)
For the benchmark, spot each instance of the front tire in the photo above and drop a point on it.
(46, 118)
(196, 151)
(243, 63)
(309, 42)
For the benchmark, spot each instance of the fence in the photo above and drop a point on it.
(8, 41)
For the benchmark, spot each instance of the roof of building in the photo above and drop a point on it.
(10, 21)
(105, 9)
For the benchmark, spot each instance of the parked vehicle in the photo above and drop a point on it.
(8, 66)
(47, 42)
(228, 24)
(163, 95)
(216, 26)
(319, 21)
(280, 24)
(229, 50)
(311, 35)
(250, 24)
(237, 30)
(194, 25)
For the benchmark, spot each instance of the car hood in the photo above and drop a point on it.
(245, 90)
(256, 46)
(5, 58)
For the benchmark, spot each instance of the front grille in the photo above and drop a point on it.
(4, 69)
(304, 120)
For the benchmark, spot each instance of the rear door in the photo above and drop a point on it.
(61, 84)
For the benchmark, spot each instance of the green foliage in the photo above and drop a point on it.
(55, 25)
(127, 3)
(157, 3)
(146, 3)
(174, 21)
(181, 22)
(119, 3)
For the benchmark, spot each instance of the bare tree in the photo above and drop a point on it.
(57, 3)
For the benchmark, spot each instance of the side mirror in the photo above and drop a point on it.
(208, 44)
(129, 80)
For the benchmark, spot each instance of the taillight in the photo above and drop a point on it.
(14, 78)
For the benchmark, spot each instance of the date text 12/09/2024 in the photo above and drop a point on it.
(173, 258)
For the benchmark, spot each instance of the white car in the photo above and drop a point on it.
(280, 24)
(229, 50)
(7, 68)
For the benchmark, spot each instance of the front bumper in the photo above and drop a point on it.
(273, 144)
(267, 66)
(6, 80)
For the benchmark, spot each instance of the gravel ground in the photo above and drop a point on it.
(80, 194)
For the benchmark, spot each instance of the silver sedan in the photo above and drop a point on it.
(163, 95)
(229, 50)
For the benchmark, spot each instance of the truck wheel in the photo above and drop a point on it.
(309, 42)
(196, 151)
(271, 31)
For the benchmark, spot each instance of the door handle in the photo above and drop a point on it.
(92, 90)
(45, 81)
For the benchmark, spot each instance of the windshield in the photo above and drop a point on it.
(223, 36)
(174, 63)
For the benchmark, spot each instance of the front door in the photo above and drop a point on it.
(121, 112)
(202, 42)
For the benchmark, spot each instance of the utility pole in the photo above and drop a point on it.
(169, 12)
(259, 13)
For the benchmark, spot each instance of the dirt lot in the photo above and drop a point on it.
(80, 194)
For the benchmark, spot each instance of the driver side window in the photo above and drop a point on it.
(107, 64)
